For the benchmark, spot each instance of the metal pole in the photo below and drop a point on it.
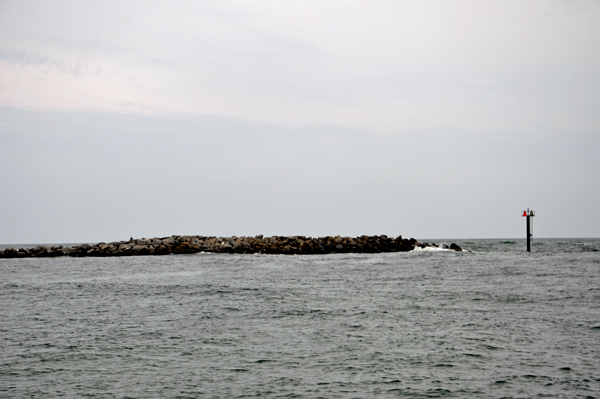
(528, 234)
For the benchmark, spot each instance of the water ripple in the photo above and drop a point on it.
(491, 323)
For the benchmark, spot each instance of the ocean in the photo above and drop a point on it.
(491, 322)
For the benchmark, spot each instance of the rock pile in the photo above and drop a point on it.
(296, 245)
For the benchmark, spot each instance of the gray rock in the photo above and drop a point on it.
(169, 242)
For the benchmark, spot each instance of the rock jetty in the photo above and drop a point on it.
(296, 245)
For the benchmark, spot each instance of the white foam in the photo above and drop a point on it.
(432, 249)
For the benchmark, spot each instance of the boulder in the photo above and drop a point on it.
(455, 247)
(184, 248)
(169, 242)
(162, 250)
(10, 253)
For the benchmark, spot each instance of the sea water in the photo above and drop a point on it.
(493, 321)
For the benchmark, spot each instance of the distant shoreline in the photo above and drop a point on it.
(293, 245)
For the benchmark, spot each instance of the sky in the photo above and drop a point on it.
(428, 119)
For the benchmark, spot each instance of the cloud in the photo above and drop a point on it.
(386, 67)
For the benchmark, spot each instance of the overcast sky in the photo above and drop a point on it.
(429, 119)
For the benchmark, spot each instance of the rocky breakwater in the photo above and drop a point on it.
(296, 245)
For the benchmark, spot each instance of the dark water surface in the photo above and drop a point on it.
(494, 322)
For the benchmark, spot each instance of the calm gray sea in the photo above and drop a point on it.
(490, 323)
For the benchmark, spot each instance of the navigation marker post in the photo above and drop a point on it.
(529, 214)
